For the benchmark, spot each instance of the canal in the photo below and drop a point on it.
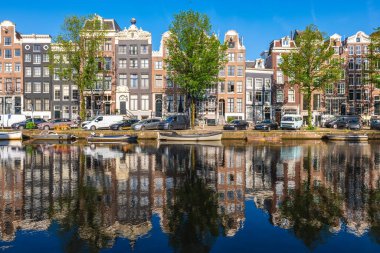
(215, 197)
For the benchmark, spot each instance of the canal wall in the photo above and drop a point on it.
(249, 135)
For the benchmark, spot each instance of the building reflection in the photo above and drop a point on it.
(112, 191)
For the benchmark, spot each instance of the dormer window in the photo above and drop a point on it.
(231, 43)
(285, 42)
(357, 39)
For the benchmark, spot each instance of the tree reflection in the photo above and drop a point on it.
(374, 214)
(193, 217)
(312, 210)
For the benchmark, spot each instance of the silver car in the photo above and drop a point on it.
(146, 124)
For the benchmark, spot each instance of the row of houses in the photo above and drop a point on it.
(134, 81)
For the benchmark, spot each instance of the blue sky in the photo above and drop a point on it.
(258, 21)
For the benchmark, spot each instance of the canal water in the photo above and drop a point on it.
(212, 197)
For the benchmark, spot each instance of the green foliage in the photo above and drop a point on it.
(30, 125)
(312, 65)
(230, 118)
(77, 50)
(374, 60)
(195, 55)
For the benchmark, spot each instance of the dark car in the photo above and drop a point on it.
(374, 123)
(22, 124)
(56, 122)
(331, 123)
(146, 124)
(178, 122)
(266, 125)
(124, 124)
(236, 124)
(352, 123)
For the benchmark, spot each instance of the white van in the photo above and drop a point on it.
(291, 121)
(6, 120)
(103, 122)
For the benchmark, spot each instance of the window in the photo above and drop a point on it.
(8, 67)
(17, 67)
(280, 77)
(46, 87)
(222, 72)
(66, 92)
(144, 63)
(351, 50)
(350, 79)
(158, 80)
(144, 81)
(36, 48)
(108, 44)
(36, 71)
(122, 49)
(365, 49)
(239, 87)
(47, 104)
(133, 49)
(1, 86)
(28, 104)
(7, 53)
(231, 70)
(231, 86)
(351, 95)
(1, 67)
(249, 97)
(144, 49)
(134, 102)
(37, 105)
(329, 89)
(278, 60)
(145, 102)
(133, 63)
(57, 92)
(259, 97)
(28, 57)
(18, 84)
(7, 41)
(249, 83)
(240, 57)
(221, 87)
(267, 97)
(36, 59)
(358, 50)
(230, 105)
(239, 104)
(285, 42)
(122, 79)
(291, 96)
(123, 63)
(280, 96)
(75, 93)
(267, 83)
(45, 57)
(17, 52)
(358, 79)
(36, 87)
(365, 64)
(258, 83)
(134, 81)
(239, 71)
(46, 72)
(107, 63)
(28, 87)
(169, 82)
(231, 57)
(8, 84)
(56, 75)
(341, 88)
(158, 65)
(316, 101)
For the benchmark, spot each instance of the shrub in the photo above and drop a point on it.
(30, 125)
(230, 118)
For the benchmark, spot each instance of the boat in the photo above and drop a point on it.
(173, 136)
(112, 138)
(11, 135)
(50, 135)
(348, 137)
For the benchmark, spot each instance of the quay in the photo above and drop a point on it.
(249, 135)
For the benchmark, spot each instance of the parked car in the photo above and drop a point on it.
(6, 120)
(179, 122)
(56, 122)
(146, 124)
(374, 123)
(291, 121)
(21, 125)
(103, 122)
(124, 124)
(333, 123)
(352, 123)
(266, 125)
(236, 124)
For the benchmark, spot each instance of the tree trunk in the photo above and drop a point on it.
(309, 113)
(82, 106)
(192, 113)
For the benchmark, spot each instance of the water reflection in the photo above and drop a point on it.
(98, 193)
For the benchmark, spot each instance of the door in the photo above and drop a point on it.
(107, 108)
(123, 107)
(159, 108)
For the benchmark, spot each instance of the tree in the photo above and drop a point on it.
(195, 55)
(374, 59)
(77, 52)
(311, 66)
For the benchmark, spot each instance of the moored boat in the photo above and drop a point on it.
(50, 135)
(348, 137)
(112, 138)
(173, 136)
(11, 135)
